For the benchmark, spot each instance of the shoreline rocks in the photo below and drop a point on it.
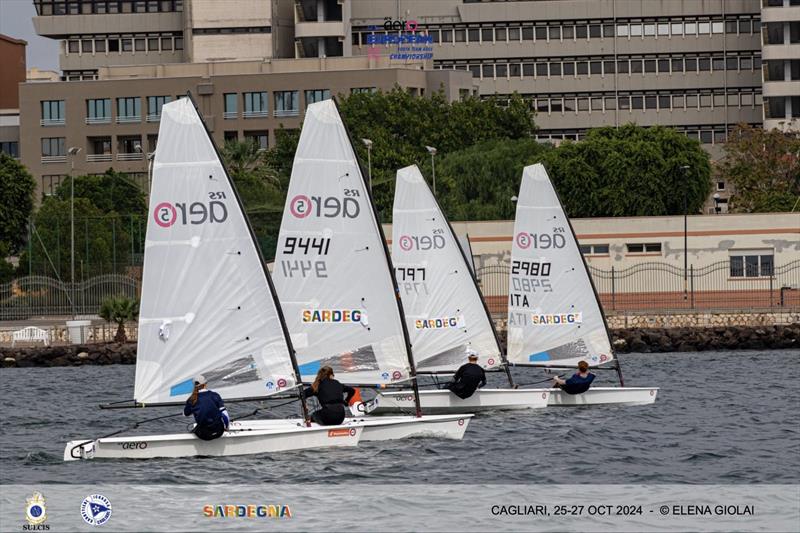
(643, 340)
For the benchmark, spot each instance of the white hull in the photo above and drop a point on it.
(242, 440)
(444, 401)
(392, 428)
(603, 396)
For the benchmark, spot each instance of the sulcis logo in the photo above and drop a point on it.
(35, 513)
(302, 206)
(96, 510)
(214, 211)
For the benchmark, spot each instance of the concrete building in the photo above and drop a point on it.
(12, 73)
(695, 65)
(781, 51)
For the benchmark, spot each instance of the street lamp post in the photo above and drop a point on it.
(431, 150)
(368, 144)
(685, 169)
(74, 151)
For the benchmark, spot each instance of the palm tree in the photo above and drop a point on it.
(246, 158)
(119, 309)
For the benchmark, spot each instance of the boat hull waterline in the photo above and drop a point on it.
(241, 440)
(444, 401)
(604, 396)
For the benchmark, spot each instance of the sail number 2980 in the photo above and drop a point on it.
(530, 268)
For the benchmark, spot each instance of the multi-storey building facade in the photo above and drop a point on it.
(695, 65)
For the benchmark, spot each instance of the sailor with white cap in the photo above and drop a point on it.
(468, 378)
(208, 409)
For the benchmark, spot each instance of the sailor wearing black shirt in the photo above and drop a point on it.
(468, 378)
(330, 394)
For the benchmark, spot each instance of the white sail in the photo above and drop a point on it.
(466, 247)
(554, 317)
(331, 269)
(206, 305)
(445, 315)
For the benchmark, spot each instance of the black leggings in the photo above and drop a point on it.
(329, 415)
(206, 432)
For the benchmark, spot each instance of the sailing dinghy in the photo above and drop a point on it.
(554, 315)
(446, 314)
(334, 278)
(207, 306)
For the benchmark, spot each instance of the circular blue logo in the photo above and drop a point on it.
(96, 510)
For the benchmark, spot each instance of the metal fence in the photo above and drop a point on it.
(663, 287)
(34, 296)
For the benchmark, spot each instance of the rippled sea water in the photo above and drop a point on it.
(720, 417)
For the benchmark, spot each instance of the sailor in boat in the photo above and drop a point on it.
(330, 394)
(578, 383)
(208, 409)
(468, 378)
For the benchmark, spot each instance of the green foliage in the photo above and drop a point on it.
(110, 192)
(630, 171)
(16, 203)
(119, 309)
(477, 183)
(764, 169)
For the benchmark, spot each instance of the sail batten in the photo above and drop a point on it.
(331, 271)
(206, 305)
(446, 317)
(554, 317)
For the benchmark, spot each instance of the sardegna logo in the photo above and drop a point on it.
(302, 206)
(212, 212)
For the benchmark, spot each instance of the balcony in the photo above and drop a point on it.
(153, 118)
(256, 114)
(46, 159)
(98, 120)
(129, 119)
(135, 156)
(98, 158)
(230, 115)
(319, 29)
(51, 122)
(286, 112)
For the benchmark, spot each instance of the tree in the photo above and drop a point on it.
(119, 309)
(630, 171)
(16, 202)
(109, 192)
(763, 167)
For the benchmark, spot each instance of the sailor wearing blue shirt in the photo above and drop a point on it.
(208, 410)
(578, 383)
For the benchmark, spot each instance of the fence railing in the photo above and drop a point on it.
(644, 287)
(45, 296)
(662, 286)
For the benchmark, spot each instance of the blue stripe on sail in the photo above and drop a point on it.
(184, 387)
(309, 369)
(541, 356)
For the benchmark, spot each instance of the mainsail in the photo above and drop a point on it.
(207, 306)
(331, 269)
(554, 317)
(446, 317)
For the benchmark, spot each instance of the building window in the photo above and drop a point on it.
(363, 90)
(594, 249)
(231, 136)
(260, 138)
(644, 248)
(317, 95)
(54, 150)
(129, 109)
(255, 105)
(129, 148)
(231, 102)
(11, 148)
(752, 264)
(287, 103)
(98, 111)
(99, 149)
(154, 105)
(52, 113)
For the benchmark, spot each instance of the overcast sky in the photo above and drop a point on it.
(15, 21)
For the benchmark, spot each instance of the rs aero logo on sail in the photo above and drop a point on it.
(302, 206)
(212, 211)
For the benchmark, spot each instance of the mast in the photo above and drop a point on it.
(273, 293)
(588, 275)
(390, 266)
(477, 289)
